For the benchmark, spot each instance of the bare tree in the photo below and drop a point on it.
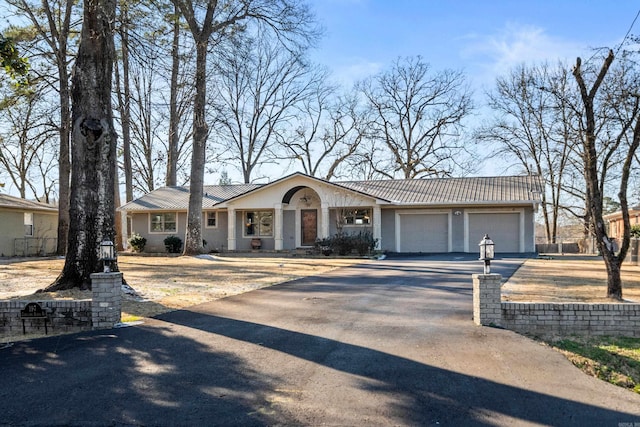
(289, 19)
(532, 126)
(260, 87)
(417, 115)
(145, 127)
(123, 92)
(93, 148)
(173, 141)
(328, 131)
(154, 87)
(610, 136)
(25, 137)
(54, 22)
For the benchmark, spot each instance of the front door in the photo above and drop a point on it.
(309, 226)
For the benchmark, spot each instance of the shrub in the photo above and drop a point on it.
(364, 242)
(635, 231)
(173, 244)
(344, 243)
(137, 242)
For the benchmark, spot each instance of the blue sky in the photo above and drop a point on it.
(483, 38)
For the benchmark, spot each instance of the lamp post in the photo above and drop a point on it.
(107, 255)
(486, 253)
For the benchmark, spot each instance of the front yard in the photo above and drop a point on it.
(161, 284)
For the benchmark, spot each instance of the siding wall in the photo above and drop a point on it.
(216, 237)
(45, 226)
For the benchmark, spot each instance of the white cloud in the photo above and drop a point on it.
(496, 54)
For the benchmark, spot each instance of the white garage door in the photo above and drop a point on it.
(424, 233)
(503, 228)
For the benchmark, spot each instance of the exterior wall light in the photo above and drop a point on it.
(107, 254)
(487, 252)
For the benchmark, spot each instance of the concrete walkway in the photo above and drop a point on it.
(384, 343)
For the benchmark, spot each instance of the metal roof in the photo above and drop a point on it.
(474, 190)
(177, 198)
(11, 202)
(431, 191)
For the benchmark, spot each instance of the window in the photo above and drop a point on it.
(258, 223)
(28, 224)
(164, 223)
(357, 216)
(212, 219)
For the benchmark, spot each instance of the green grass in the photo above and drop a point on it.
(130, 318)
(612, 359)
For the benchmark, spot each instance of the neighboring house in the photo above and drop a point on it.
(616, 227)
(27, 228)
(412, 216)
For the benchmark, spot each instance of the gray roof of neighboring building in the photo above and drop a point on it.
(11, 202)
(431, 191)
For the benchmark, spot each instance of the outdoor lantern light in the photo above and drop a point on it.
(486, 253)
(107, 254)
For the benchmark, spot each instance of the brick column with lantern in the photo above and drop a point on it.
(487, 309)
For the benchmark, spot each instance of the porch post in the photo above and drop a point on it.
(231, 229)
(278, 243)
(377, 225)
(324, 228)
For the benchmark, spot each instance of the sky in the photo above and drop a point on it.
(483, 38)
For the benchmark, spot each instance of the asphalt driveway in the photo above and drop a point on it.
(384, 343)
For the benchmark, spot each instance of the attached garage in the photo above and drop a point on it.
(423, 232)
(504, 228)
(430, 215)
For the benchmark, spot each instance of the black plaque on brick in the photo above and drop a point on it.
(33, 310)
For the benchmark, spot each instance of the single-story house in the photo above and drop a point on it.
(434, 215)
(616, 226)
(27, 227)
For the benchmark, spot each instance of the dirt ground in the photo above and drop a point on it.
(568, 278)
(162, 284)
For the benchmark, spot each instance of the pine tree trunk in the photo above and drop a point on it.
(172, 150)
(93, 148)
(193, 239)
(124, 97)
(64, 165)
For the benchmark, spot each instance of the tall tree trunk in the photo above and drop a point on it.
(93, 148)
(117, 219)
(61, 34)
(124, 96)
(64, 166)
(172, 149)
(193, 239)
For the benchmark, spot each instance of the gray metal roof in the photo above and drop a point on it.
(474, 190)
(11, 202)
(177, 198)
(432, 191)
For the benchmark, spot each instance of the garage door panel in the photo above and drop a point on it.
(503, 228)
(424, 233)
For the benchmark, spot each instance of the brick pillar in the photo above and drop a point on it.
(486, 299)
(107, 299)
